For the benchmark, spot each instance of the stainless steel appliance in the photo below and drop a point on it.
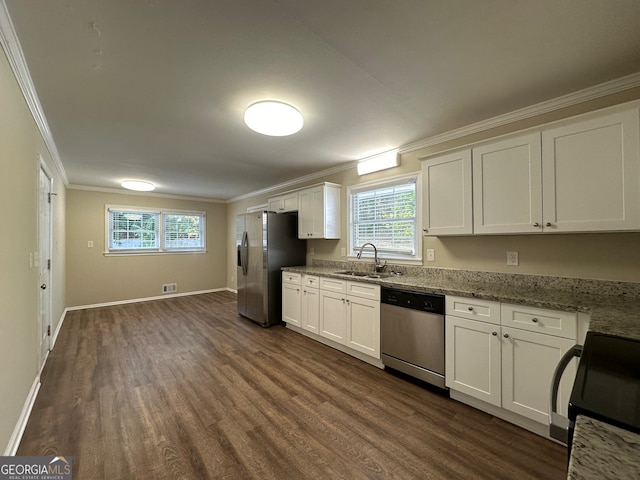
(412, 333)
(607, 385)
(266, 242)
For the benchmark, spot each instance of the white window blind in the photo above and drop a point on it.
(385, 215)
(143, 230)
(183, 231)
(133, 230)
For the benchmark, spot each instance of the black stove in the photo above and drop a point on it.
(607, 385)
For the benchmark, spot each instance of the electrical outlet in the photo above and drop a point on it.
(90, 244)
(431, 255)
(512, 258)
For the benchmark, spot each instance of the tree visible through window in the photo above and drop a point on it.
(385, 215)
(133, 230)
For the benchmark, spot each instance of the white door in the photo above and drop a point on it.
(363, 325)
(447, 194)
(291, 306)
(43, 263)
(591, 172)
(528, 362)
(507, 186)
(473, 358)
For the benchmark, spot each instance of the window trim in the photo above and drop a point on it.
(415, 259)
(160, 250)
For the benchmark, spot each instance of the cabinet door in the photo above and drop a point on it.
(333, 316)
(363, 325)
(310, 213)
(591, 174)
(275, 204)
(473, 358)
(447, 194)
(528, 362)
(291, 304)
(310, 309)
(507, 186)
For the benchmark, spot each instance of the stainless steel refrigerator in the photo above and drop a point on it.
(266, 242)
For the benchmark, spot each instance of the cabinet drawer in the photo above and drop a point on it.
(333, 285)
(291, 277)
(311, 281)
(363, 290)
(541, 320)
(473, 309)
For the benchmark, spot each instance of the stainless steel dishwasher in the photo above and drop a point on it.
(412, 333)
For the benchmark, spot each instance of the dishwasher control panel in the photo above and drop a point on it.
(426, 302)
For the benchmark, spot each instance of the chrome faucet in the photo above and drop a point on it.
(378, 267)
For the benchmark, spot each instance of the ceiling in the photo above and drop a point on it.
(156, 89)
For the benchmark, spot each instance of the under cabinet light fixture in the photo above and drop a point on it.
(276, 119)
(138, 185)
(378, 162)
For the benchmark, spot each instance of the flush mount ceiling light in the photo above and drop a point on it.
(378, 162)
(276, 119)
(138, 185)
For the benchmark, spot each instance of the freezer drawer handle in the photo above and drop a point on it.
(559, 425)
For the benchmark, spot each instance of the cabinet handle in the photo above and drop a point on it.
(534, 320)
(348, 301)
(470, 309)
(297, 289)
(506, 335)
(495, 334)
(536, 224)
(425, 230)
(548, 224)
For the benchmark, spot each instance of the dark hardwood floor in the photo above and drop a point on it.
(185, 388)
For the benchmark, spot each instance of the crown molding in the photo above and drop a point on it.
(13, 50)
(575, 98)
(121, 191)
(296, 181)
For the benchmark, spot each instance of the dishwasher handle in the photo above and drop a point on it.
(559, 425)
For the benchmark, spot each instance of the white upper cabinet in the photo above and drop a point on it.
(319, 212)
(287, 202)
(507, 186)
(581, 174)
(447, 194)
(591, 173)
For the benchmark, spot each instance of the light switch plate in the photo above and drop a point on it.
(431, 255)
(512, 258)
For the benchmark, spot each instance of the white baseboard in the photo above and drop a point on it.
(18, 431)
(344, 349)
(56, 332)
(146, 299)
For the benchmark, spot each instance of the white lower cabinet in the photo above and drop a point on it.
(350, 314)
(310, 315)
(510, 368)
(291, 298)
(344, 312)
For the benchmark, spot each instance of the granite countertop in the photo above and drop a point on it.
(611, 313)
(600, 451)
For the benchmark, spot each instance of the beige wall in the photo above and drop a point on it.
(93, 278)
(607, 256)
(20, 147)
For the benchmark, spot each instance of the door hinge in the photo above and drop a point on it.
(49, 330)
(51, 194)
(49, 264)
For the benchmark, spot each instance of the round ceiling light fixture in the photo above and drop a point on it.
(276, 119)
(138, 185)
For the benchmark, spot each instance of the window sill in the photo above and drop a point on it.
(395, 261)
(136, 254)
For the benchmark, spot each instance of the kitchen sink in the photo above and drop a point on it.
(352, 273)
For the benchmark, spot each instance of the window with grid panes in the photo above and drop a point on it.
(143, 230)
(386, 214)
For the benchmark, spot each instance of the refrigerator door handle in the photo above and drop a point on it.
(244, 253)
(559, 425)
